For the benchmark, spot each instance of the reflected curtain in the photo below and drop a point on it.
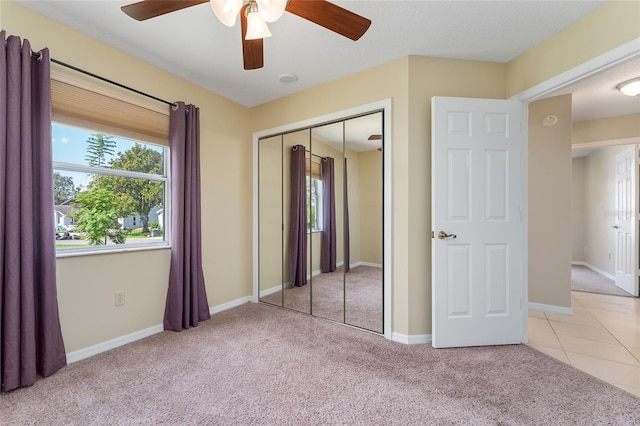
(347, 244)
(187, 303)
(30, 335)
(328, 248)
(298, 218)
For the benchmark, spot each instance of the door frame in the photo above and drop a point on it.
(382, 105)
(613, 57)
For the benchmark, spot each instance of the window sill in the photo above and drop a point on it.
(81, 252)
(315, 231)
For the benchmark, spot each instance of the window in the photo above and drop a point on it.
(314, 212)
(110, 159)
(110, 192)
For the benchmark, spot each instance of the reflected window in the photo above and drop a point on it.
(314, 212)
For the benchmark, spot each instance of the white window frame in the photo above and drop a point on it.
(118, 248)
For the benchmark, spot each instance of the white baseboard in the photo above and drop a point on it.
(229, 305)
(595, 269)
(273, 289)
(373, 265)
(81, 354)
(113, 343)
(552, 309)
(413, 339)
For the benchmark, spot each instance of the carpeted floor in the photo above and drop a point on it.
(363, 300)
(260, 365)
(589, 281)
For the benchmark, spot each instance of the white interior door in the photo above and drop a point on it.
(477, 223)
(625, 226)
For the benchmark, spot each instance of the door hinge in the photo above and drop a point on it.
(432, 234)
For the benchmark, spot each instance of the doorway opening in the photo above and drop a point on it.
(604, 213)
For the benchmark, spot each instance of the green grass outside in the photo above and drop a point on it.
(64, 246)
(143, 235)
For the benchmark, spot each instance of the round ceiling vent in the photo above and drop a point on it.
(288, 79)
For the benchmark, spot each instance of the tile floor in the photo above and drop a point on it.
(602, 338)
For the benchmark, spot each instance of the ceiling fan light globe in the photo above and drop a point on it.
(226, 10)
(271, 10)
(256, 27)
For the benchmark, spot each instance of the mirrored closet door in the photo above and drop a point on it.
(320, 208)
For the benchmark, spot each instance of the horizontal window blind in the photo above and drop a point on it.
(316, 173)
(77, 106)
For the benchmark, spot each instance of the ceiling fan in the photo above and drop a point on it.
(253, 17)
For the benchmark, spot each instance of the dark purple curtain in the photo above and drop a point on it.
(347, 244)
(328, 216)
(187, 303)
(30, 336)
(298, 218)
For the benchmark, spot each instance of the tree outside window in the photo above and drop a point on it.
(115, 186)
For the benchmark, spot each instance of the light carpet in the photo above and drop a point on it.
(359, 292)
(589, 281)
(261, 365)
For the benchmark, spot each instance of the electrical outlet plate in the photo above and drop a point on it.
(119, 298)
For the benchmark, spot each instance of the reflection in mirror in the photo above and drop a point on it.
(327, 234)
(298, 253)
(270, 219)
(283, 192)
(363, 200)
(320, 201)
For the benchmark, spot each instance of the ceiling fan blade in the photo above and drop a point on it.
(144, 10)
(252, 50)
(330, 16)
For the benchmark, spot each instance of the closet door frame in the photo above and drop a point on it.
(382, 105)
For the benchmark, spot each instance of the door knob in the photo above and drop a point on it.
(442, 235)
(615, 226)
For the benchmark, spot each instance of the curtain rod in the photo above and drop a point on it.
(113, 82)
(295, 148)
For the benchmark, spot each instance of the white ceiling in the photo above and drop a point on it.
(597, 96)
(194, 45)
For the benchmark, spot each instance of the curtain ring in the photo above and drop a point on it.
(294, 148)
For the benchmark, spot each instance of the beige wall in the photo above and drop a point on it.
(370, 179)
(354, 192)
(599, 202)
(270, 207)
(577, 210)
(430, 77)
(86, 284)
(550, 203)
(607, 129)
